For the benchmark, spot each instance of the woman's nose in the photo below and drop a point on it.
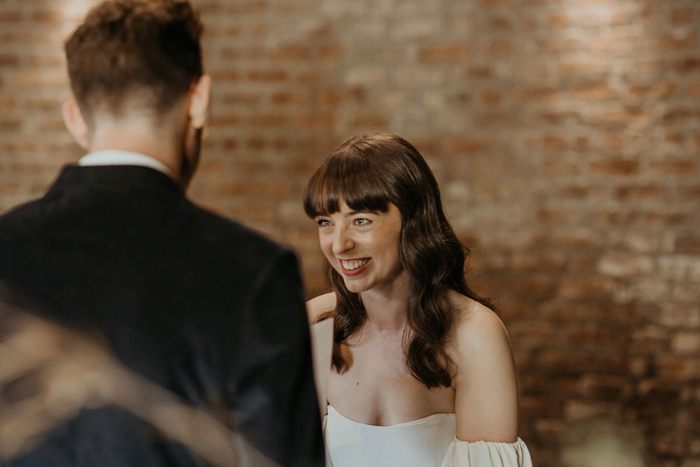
(342, 241)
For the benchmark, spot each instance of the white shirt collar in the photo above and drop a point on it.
(115, 157)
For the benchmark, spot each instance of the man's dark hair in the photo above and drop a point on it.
(127, 54)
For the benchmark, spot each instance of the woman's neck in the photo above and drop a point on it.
(387, 308)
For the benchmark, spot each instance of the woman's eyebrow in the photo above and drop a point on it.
(361, 211)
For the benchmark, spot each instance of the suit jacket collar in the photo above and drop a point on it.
(112, 178)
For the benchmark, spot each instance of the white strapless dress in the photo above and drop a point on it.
(428, 442)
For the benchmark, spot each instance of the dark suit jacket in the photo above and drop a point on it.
(196, 303)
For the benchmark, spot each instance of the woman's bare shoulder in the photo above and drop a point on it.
(476, 319)
(319, 306)
(485, 383)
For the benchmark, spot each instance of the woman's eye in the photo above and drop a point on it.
(362, 221)
(323, 222)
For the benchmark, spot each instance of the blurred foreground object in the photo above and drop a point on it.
(603, 443)
(49, 374)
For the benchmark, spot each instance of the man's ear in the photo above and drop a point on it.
(75, 122)
(200, 97)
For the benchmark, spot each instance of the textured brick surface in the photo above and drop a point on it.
(566, 138)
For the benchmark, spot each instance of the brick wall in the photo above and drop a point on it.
(566, 138)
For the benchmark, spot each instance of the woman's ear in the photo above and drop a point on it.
(200, 97)
(75, 122)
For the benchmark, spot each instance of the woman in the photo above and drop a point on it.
(422, 370)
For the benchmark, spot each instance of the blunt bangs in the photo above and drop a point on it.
(350, 178)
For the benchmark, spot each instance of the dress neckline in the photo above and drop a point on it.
(398, 425)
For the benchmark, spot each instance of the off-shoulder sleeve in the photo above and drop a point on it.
(487, 454)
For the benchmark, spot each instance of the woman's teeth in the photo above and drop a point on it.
(350, 265)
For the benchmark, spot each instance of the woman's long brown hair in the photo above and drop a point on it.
(368, 172)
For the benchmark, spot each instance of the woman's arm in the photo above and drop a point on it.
(486, 391)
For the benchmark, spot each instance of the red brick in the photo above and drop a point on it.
(501, 23)
(318, 75)
(686, 342)
(669, 217)
(612, 217)
(243, 53)
(559, 45)
(10, 125)
(479, 72)
(501, 47)
(682, 316)
(674, 165)
(224, 120)
(593, 92)
(495, 3)
(584, 410)
(694, 90)
(635, 242)
(241, 99)
(612, 44)
(678, 368)
(688, 65)
(48, 17)
(577, 362)
(558, 117)
(243, 7)
(688, 193)
(584, 67)
(267, 120)
(491, 96)
(588, 289)
(605, 388)
(267, 75)
(657, 90)
(554, 142)
(370, 121)
(678, 42)
(558, 165)
(557, 216)
(9, 61)
(290, 52)
(620, 116)
(590, 337)
(533, 334)
(223, 75)
(559, 20)
(625, 265)
(445, 53)
(611, 141)
(542, 406)
(530, 287)
(636, 192)
(614, 166)
(543, 262)
(681, 16)
(537, 94)
(687, 244)
(681, 115)
(331, 52)
(282, 98)
(466, 145)
(10, 17)
(316, 122)
(7, 103)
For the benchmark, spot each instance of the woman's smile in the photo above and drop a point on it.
(354, 267)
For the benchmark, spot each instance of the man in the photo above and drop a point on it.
(176, 310)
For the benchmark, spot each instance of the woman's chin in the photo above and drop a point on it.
(354, 285)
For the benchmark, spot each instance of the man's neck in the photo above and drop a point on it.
(138, 137)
